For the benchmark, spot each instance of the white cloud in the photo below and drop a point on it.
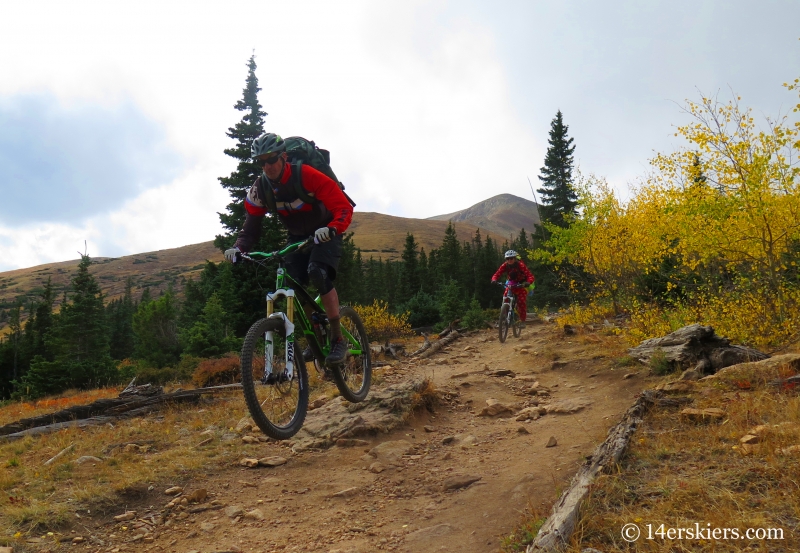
(427, 106)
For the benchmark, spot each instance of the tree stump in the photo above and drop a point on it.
(695, 346)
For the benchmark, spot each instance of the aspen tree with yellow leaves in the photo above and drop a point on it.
(712, 235)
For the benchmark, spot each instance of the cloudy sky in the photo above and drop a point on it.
(113, 115)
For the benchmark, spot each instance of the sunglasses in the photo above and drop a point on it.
(270, 160)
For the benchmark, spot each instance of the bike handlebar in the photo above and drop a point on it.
(280, 253)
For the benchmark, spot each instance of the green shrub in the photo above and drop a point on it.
(659, 363)
(475, 317)
(422, 310)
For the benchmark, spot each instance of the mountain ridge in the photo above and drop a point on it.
(376, 234)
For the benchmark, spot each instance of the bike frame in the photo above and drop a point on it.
(509, 297)
(296, 296)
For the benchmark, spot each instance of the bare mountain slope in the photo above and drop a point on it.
(376, 234)
(504, 214)
(383, 236)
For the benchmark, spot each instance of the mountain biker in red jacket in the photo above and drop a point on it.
(518, 274)
(325, 219)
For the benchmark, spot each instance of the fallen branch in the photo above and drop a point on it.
(58, 455)
(555, 533)
(423, 347)
(439, 344)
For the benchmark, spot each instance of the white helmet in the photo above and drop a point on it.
(511, 253)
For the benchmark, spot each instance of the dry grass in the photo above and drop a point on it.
(679, 474)
(13, 411)
(36, 497)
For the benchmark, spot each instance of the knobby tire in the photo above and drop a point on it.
(354, 376)
(516, 324)
(278, 409)
(502, 323)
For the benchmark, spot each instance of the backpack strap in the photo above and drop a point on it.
(297, 181)
(266, 192)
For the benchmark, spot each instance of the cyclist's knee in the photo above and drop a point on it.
(319, 277)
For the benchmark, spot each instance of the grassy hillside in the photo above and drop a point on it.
(377, 235)
(383, 236)
(154, 269)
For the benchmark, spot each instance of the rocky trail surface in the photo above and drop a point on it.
(513, 423)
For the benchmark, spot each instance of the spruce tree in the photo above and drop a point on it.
(79, 341)
(449, 256)
(558, 198)
(239, 182)
(409, 271)
(120, 319)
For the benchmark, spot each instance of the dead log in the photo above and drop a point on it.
(695, 346)
(556, 531)
(423, 347)
(439, 344)
(102, 410)
(452, 327)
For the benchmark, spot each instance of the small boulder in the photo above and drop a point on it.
(552, 442)
(710, 414)
(272, 461)
(234, 511)
(255, 514)
(459, 481)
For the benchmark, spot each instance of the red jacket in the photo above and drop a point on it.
(301, 219)
(517, 273)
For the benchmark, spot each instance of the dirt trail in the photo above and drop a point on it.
(405, 507)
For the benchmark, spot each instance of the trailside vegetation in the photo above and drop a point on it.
(712, 235)
(559, 200)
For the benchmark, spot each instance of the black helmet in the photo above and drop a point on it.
(267, 143)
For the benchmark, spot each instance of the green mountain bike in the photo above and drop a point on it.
(274, 376)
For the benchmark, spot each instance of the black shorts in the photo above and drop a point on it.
(327, 253)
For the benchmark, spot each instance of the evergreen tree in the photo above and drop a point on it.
(349, 277)
(156, 331)
(79, 341)
(558, 198)
(15, 339)
(120, 318)
(449, 255)
(409, 271)
(239, 182)
(699, 178)
(212, 334)
(425, 283)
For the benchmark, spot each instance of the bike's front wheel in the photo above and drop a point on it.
(354, 376)
(502, 323)
(277, 401)
(516, 324)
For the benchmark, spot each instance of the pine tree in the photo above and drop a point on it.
(212, 334)
(239, 182)
(79, 341)
(156, 331)
(449, 257)
(120, 318)
(409, 271)
(558, 198)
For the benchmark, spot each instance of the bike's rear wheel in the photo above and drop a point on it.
(354, 376)
(502, 323)
(279, 404)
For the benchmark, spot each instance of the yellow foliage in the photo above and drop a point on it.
(712, 235)
(380, 324)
